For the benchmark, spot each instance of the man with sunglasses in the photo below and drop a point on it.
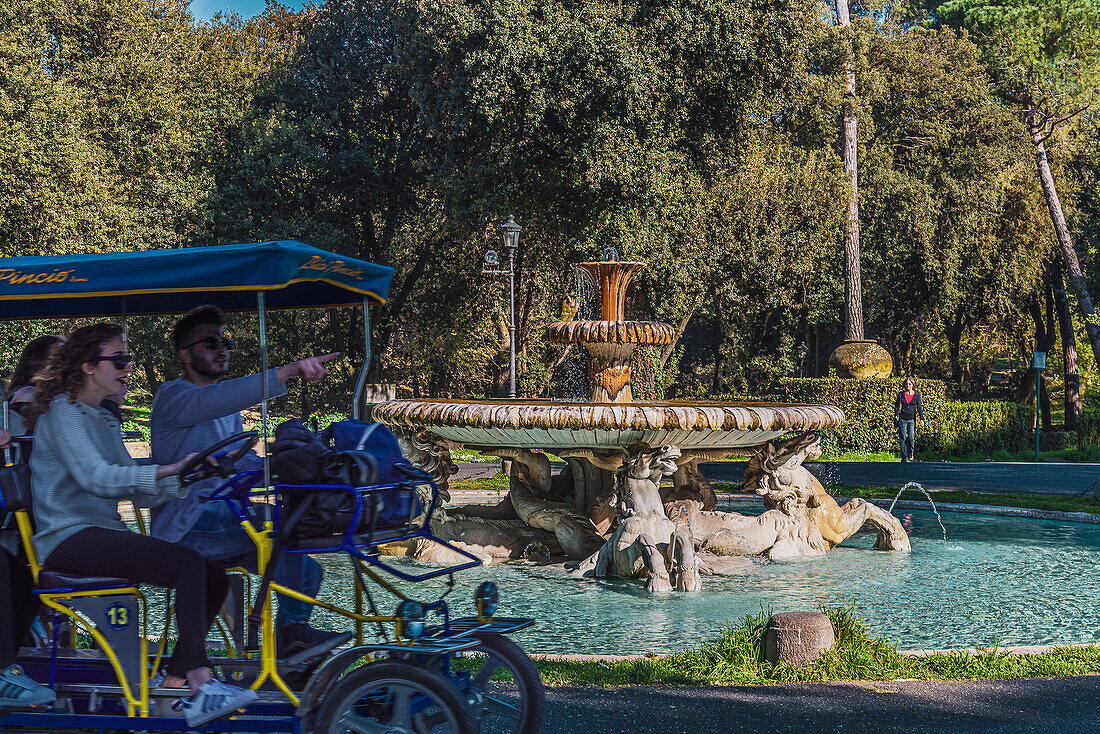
(197, 411)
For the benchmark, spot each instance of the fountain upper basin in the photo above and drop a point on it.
(549, 424)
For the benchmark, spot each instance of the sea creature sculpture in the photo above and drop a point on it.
(801, 518)
(646, 544)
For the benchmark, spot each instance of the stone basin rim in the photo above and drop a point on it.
(610, 332)
(548, 414)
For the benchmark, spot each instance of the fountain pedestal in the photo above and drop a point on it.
(610, 341)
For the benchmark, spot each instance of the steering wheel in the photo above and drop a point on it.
(224, 464)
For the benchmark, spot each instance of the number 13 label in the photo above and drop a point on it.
(118, 616)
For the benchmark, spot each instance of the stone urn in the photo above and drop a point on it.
(861, 359)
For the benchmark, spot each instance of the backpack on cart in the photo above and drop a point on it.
(351, 453)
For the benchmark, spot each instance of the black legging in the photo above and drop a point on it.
(18, 606)
(200, 584)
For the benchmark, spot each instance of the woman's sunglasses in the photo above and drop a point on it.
(212, 343)
(120, 361)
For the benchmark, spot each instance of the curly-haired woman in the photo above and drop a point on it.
(80, 470)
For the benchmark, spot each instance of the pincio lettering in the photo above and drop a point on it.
(332, 266)
(18, 277)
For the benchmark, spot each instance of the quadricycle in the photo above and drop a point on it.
(412, 665)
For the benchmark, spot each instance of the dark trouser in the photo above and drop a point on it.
(18, 606)
(200, 584)
(217, 535)
(907, 437)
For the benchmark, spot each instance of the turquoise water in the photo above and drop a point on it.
(998, 581)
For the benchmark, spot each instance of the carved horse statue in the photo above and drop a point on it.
(647, 544)
(776, 474)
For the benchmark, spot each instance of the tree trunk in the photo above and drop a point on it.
(1069, 254)
(954, 332)
(853, 285)
(717, 381)
(1069, 347)
(1044, 401)
(669, 348)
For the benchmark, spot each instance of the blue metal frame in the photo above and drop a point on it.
(55, 721)
(236, 493)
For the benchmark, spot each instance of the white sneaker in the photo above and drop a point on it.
(19, 689)
(215, 700)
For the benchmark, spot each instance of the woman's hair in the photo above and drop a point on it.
(32, 360)
(64, 371)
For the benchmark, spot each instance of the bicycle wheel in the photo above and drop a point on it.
(396, 698)
(502, 705)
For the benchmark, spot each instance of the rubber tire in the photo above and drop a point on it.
(527, 677)
(442, 690)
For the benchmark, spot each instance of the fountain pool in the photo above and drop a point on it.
(998, 581)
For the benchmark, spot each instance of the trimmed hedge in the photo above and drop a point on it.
(1055, 440)
(981, 428)
(1088, 425)
(952, 427)
(869, 406)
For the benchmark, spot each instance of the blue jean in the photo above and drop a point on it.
(907, 437)
(218, 535)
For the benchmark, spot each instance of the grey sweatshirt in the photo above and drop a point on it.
(80, 470)
(186, 418)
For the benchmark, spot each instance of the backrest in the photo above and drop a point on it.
(15, 487)
(16, 500)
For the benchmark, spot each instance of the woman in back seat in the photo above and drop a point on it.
(18, 608)
(80, 470)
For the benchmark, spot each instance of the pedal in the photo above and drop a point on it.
(317, 652)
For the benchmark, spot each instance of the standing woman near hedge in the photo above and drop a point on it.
(907, 409)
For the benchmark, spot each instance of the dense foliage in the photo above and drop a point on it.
(699, 136)
(951, 427)
(984, 428)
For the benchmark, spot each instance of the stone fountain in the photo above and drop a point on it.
(608, 509)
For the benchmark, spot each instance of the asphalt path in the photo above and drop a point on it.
(1015, 477)
(1047, 705)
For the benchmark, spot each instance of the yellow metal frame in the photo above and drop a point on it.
(262, 538)
(136, 693)
(136, 705)
(140, 702)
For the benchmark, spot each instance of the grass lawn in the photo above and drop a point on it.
(736, 658)
(1087, 503)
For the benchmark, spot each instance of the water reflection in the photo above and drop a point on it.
(1000, 581)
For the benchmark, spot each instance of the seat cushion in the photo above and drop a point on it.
(51, 579)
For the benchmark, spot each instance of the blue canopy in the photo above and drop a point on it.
(292, 274)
